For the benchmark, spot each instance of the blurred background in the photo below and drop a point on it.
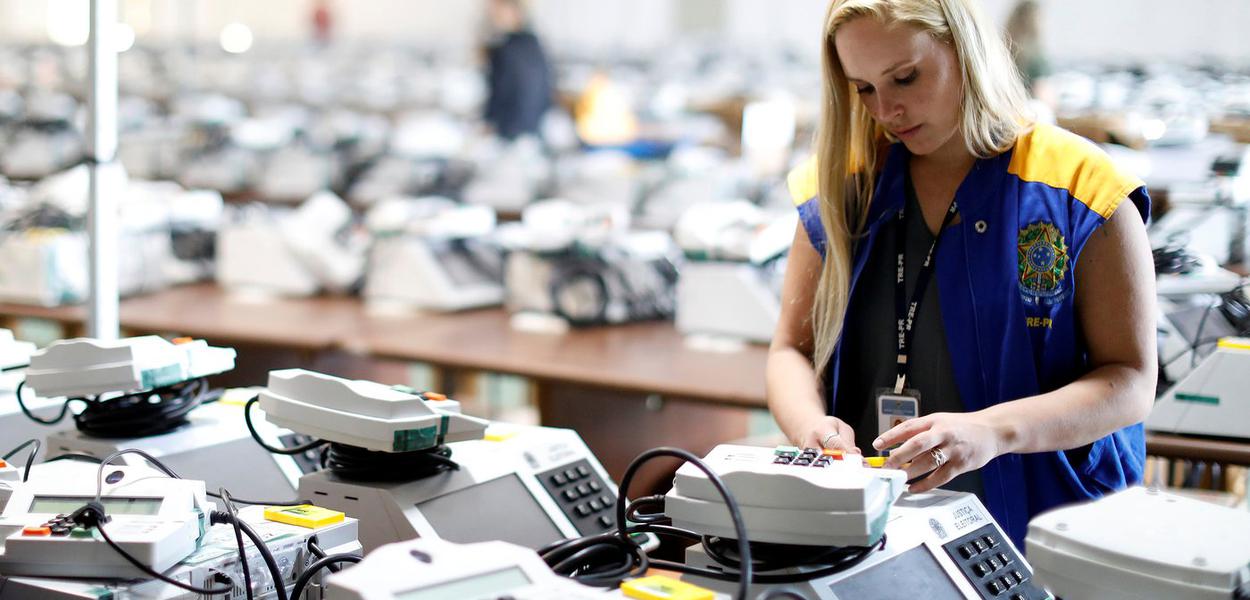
(502, 188)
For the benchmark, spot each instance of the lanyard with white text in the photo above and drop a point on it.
(904, 312)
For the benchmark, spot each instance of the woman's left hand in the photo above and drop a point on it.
(967, 440)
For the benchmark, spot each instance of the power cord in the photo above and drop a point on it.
(138, 414)
(29, 415)
(238, 538)
(215, 518)
(251, 428)
(92, 516)
(360, 464)
(218, 517)
(30, 458)
(320, 564)
(316, 550)
(607, 558)
(217, 495)
(604, 560)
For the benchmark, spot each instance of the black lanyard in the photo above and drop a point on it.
(906, 313)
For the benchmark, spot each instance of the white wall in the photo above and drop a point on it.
(1114, 30)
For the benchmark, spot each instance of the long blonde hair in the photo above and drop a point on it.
(993, 115)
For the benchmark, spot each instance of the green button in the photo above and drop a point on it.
(786, 450)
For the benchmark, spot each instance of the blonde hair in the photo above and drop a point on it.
(993, 115)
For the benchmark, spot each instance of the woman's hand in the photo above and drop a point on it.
(967, 440)
(829, 433)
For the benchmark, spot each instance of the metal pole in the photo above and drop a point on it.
(102, 226)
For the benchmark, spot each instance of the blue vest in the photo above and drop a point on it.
(1007, 289)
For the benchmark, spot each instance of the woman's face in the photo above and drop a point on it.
(909, 81)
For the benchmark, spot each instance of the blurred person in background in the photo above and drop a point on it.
(518, 75)
(969, 290)
(1024, 39)
(322, 22)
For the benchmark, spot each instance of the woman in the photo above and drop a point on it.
(1028, 364)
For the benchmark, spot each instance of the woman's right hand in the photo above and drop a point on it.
(830, 433)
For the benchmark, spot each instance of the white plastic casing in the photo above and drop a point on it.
(843, 504)
(85, 366)
(1141, 543)
(363, 413)
(1211, 399)
(445, 570)
(157, 540)
(12, 352)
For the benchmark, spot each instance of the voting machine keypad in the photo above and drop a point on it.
(309, 461)
(582, 495)
(993, 567)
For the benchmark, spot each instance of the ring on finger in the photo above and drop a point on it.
(824, 442)
(939, 457)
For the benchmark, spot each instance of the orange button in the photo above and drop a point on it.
(836, 454)
(434, 396)
(183, 340)
(33, 530)
(3, 464)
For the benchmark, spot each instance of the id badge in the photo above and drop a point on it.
(893, 409)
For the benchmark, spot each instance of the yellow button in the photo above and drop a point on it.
(875, 462)
(659, 587)
(1234, 344)
(496, 435)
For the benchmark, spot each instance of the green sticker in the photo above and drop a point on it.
(1199, 398)
(167, 375)
(408, 440)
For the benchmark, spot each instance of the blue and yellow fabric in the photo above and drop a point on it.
(1005, 276)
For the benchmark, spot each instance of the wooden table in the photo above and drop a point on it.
(639, 357)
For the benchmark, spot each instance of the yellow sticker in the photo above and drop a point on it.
(659, 587)
(304, 515)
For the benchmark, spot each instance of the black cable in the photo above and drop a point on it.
(216, 517)
(1202, 324)
(603, 560)
(774, 557)
(53, 421)
(319, 553)
(360, 464)
(142, 414)
(655, 507)
(13, 368)
(312, 570)
(238, 538)
(279, 582)
(73, 456)
(92, 515)
(30, 459)
(247, 418)
(851, 557)
(99, 482)
(296, 502)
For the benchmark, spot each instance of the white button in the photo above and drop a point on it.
(981, 226)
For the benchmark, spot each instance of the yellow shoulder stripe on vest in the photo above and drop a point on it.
(802, 181)
(1064, 160)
